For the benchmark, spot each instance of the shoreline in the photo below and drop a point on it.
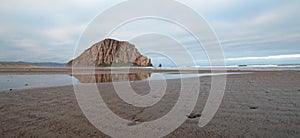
(102, 70)
(141, 80)
(120, 72)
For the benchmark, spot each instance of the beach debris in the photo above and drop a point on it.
(193, 115)
(253, 107)
(135, 122)
(131, 123)
(250, 81)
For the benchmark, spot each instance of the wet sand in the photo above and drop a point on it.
(260, 104)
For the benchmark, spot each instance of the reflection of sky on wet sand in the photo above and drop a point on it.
(100, 78)
(13, 82)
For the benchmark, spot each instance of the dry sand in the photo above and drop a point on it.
(54, 112)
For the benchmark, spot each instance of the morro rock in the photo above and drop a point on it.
(110, 52)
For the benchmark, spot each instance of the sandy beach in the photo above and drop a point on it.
(259, 104)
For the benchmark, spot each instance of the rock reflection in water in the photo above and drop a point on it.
(99, 78)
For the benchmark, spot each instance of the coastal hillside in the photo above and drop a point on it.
(110, 52)
(21, 64)
(15, 65)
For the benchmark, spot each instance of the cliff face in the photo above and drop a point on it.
(111, 52)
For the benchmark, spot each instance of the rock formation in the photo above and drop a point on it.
(142, 61)
(110, 52)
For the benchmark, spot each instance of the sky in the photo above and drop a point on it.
(249, 32)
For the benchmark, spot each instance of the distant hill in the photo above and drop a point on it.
(27, 64)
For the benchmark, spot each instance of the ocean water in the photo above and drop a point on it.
(236, 67)
(159, 76)
(13, 82)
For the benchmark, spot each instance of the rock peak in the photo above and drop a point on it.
(111, 52)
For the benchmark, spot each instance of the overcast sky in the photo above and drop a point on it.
(250, 32)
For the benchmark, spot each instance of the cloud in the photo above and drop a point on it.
(49, 30)
(26, 44)
(292, 56)
(280, 14)
(276, 18)
(63, 34)
(208, 6)
(260, 39)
